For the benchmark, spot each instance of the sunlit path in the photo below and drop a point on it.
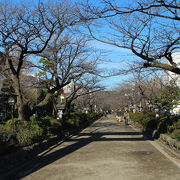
(106, 151)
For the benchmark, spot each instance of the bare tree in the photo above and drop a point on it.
(23, 31)
(150, 29)
(66, 60)
(146, 86)
(26, 31)
(85, 86)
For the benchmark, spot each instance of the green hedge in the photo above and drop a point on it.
(175, 124)
(174, 129)
(32, 133)
(29, 132)
(50, 125)
(176, 134)
(3, 134)
(75, 119)
(146, 120)
(25, 133)
(164, 124)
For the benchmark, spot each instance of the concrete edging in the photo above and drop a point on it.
(163, 138)
(172, 143)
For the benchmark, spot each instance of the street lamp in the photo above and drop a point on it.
(60, 108)
(12, 102)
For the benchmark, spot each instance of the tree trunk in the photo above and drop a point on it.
(67, 106)
(45, 100)
(20, 103)
(54, 110)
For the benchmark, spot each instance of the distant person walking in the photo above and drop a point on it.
(118, 116)
(126, 117)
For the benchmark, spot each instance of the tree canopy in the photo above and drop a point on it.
(150, 29)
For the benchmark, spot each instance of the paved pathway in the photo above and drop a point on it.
(104, 151)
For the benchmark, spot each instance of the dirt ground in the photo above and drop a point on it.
(104, 151)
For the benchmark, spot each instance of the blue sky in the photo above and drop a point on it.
(115, 58)
(112, 58)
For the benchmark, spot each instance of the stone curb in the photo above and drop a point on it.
(172, 143)
(163, 138)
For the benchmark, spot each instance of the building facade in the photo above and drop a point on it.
(170, 76)
(175, 78)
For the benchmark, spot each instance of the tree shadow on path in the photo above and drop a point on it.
(83, 139)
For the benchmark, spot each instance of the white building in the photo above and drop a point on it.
(170, 76)
(68, 89)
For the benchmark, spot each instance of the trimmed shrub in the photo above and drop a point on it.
(25, 132)
(32, 133)
(174, 128)
(55, 126)
(164, 124)
(147, 120)
(45, 121)
(167, 123)
(50, 125)
(91, 116)
(175, 124)
(28, 132)
(3, 134)
(75, 119)
(16, 122)
(176, 134)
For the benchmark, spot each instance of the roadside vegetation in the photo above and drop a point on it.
(168, 124)
(36, 129)
(54, 39)
(162, 119)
